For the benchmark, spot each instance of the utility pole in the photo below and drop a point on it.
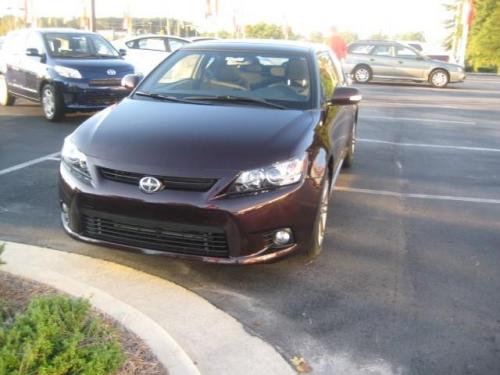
(92, 16)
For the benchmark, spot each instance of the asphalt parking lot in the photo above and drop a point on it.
(409, 278)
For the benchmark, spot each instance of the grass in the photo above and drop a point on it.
(57, 335)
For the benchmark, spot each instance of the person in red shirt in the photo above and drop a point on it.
(337, 44)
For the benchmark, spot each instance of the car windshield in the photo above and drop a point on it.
(249, 77)
(74, 45)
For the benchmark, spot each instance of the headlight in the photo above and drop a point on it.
(64, 71)
(75, 160)
(278, 174)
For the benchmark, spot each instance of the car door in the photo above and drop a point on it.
(409, 64)
(32, 67)
(381, 61)
(336, 122)
(12, 53)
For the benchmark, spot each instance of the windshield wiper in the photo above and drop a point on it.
(235, 98)
(166, 98)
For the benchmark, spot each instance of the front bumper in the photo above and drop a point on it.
(457, 77)
(81, 96)
(245, 221)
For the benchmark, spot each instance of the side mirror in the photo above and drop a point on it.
(130, 81)
(32, 52)
(345, 96)
(122, 52)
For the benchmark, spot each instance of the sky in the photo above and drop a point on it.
(365, 17)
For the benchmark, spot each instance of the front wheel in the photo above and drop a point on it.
(439, 78)
(52, 103)
(320, 223)
(6, 98)
(349, 157)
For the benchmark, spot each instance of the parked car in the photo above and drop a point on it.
(227, 152)
(63, 69)
(146, 51)
(371, 59)
(434, 52)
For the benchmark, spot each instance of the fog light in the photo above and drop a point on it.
(65, 213)
(282, 237)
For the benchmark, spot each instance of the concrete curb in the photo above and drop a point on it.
(187, 334)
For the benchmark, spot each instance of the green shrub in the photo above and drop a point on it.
(58, 335)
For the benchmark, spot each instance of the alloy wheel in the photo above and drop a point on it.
(323, 213)
(362, 75)
(48, 102)
(439, 79)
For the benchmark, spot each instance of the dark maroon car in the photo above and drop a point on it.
(227, 152)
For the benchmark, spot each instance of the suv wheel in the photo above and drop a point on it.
(362, 74)
(6, 98)
(52, 103)
(439, 78)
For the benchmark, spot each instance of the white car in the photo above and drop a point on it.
(145, 52)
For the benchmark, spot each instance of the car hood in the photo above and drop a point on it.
(96, 65)
(180, 138)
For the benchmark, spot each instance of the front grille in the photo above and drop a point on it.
(105, 82)
(102, 98)
(174, 238)
(172, 183)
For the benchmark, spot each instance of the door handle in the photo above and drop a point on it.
(401, 62)
(372, 60)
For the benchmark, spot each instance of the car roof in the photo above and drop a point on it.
(258, 44)
(58, 30)
(134, 37)
(374, 41)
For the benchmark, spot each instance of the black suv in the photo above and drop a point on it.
(64, 69)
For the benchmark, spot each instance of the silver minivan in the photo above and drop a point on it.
(373, 59)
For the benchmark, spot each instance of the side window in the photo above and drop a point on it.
(360, 49)
(405, 52)
(327, 75)
(175, 44)
(382, 50)
(154, 44)
(34, 40)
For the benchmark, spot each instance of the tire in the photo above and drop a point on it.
(439, 78)
(362, 74)
(6, 98)
(320, 222)
(349, 157)
(52, 103)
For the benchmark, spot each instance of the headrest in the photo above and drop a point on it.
(296, 70)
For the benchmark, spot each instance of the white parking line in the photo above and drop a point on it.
(29, 163)
(418, 119)
(417, 196)
(427, 145)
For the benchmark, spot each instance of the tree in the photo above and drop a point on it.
(379, 36)
(264, 30)
(417, 36)
(349, 36)
(484, 37)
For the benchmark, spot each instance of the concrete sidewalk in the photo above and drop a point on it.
(187, 334)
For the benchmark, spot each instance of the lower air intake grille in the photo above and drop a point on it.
(174, 238)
